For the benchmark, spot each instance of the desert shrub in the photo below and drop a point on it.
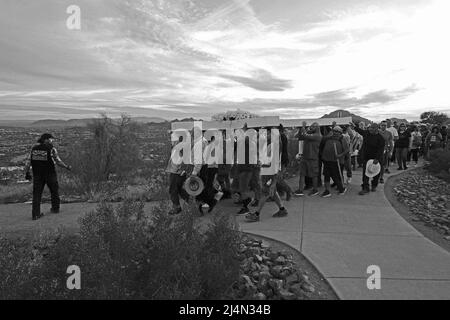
(111, 152)
(13, 193)
(440, 163)
(125, 252)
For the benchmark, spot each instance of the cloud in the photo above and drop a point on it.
(261, 80)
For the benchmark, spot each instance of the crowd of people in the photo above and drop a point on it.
(327, 157)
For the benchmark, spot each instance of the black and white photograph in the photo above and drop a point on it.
(225, 155)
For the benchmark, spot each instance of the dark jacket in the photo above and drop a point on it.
(329, 146)
(311, 145)
(42, 159)
(373, 145)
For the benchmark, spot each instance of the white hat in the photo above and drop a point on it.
(372, 169)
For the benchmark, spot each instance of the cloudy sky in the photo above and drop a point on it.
(183, 58)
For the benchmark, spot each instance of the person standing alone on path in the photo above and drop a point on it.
(42, 160)
(372, 149)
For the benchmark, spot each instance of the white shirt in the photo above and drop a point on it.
(393, 131)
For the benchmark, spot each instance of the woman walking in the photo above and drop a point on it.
(402, 145)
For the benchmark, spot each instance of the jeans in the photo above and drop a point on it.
(366, 179)
(39, 182)
(401, 154)
(176, 189)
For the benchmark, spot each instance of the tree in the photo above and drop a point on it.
(432, 117)
(111, 151)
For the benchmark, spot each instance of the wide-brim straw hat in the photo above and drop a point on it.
(194, 186)
(372, 169)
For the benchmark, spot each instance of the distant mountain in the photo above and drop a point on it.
(345, 113)
(399, 120)
(49, 123)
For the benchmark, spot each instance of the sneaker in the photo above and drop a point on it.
(280, 214)
(374, 189)
(254, 203)
(326, 194)
(343, 192)
(381, 180)
(252, 217)
(349, 180)
(244, 210)
(364, 192)
(334, 185)
(387, 171)
(299, 193)
(399, 168)
(55, 211)
(313, 193)
(406, 168)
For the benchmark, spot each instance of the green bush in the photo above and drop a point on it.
(125, 253)
(440, 163)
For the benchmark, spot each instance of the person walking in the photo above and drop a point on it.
(372, 149)
(433, 140)
(43, 158)
(388, 148)
(270, 172)
(309, 160)
(282, 184)
(402, 145)
(177, 177)
(394, 132)
(332, 151)
(416, 138)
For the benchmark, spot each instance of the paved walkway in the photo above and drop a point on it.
(341, 236)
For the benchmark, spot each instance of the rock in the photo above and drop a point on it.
(293, 278)
(308, 287)
(260, 296)
(273, 256)
(447, 238)
(265, 275)
(286, 295)
(276, 271)
(280, 260)
(263, 284)
(276, 285)
(296, 289)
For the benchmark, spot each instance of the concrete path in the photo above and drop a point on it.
(341, 236)
(344, 235)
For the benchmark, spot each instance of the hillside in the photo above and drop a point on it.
(49, 123)
(345, 113)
